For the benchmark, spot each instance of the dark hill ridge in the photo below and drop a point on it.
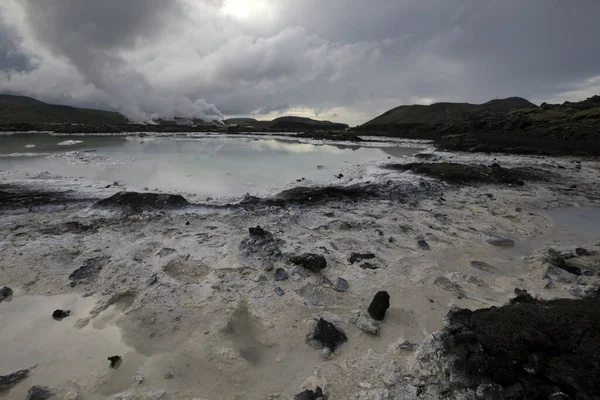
(420, 114)
(287, 123)
(568, 128)
(21, 109)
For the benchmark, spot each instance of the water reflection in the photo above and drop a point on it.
(211, 166)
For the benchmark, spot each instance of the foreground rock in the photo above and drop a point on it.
(313, 262)
(10, 380)
(379, 305)
(472, 173)
(114, 361)
(5, 293)
(397, 191)
(261, 248)
(134, 201)
(40, 393)
(311, 395)
(327, 336)
(529, 349)
(89, 271)
(59, 315)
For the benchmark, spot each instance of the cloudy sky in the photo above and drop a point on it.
(344, 60)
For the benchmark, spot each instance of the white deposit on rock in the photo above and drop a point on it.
(364, 323)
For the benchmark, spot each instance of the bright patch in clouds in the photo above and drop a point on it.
(245, 9)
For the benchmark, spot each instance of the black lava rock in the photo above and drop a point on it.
(114, 361)
(5, 293)
(328, 335)
(281, 274)
(526, 350)
(522, 297)
(310, 395)
(580, 251)
(60, 314)
(143, 201)
(89, 271)
(39, 393)
(279, 291)
(369, 266)
(423, 244)
(314, 262)
(258, 232)
(358, 257)
(10, 380)
(379, 305)
(341, 285)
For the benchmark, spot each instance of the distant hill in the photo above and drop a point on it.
(438, 112)
(287, 123)
(21, 109)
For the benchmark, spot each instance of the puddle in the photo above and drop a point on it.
(29, 336)
(580, 223)
(243, 333)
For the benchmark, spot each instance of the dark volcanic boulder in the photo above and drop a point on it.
(10, 380)
(528, 349)
(473, 173)
(358, 257)
(39, 393)
(143, 201)
(5, 293)
(114, 361)
(310, 395)
(379, 305)
(327, 335)
(261, 248)
(89, 271)
(314, 262)
(60, 314)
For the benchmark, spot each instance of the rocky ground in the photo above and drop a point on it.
(269, 298)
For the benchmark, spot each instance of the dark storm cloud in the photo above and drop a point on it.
(11, 58)
(100, 24)
(351, 58)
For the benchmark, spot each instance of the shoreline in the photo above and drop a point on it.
(200, 308)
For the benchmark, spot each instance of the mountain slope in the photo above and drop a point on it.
(21, 109)
(419, 114)
(287, 123)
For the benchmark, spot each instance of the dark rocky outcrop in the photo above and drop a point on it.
(261, 248)
(423, 245)
(5, 293)
(89, 271)
(501, 242)
(40, 393)
(313, 262)
(341, 285)
(114, 361)
(60, 314)
(397, 191)
(368, 265)
(473, 173)
(528, 349)
(483, 266)
(10, 380)
(379, 305)
(311, 395)
(358, 257)
(568, 128)
(281, 274)
(133, 201)
(327, 335)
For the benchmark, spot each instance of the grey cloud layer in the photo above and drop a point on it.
(345, 58)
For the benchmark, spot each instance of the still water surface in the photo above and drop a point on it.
(208, 166)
